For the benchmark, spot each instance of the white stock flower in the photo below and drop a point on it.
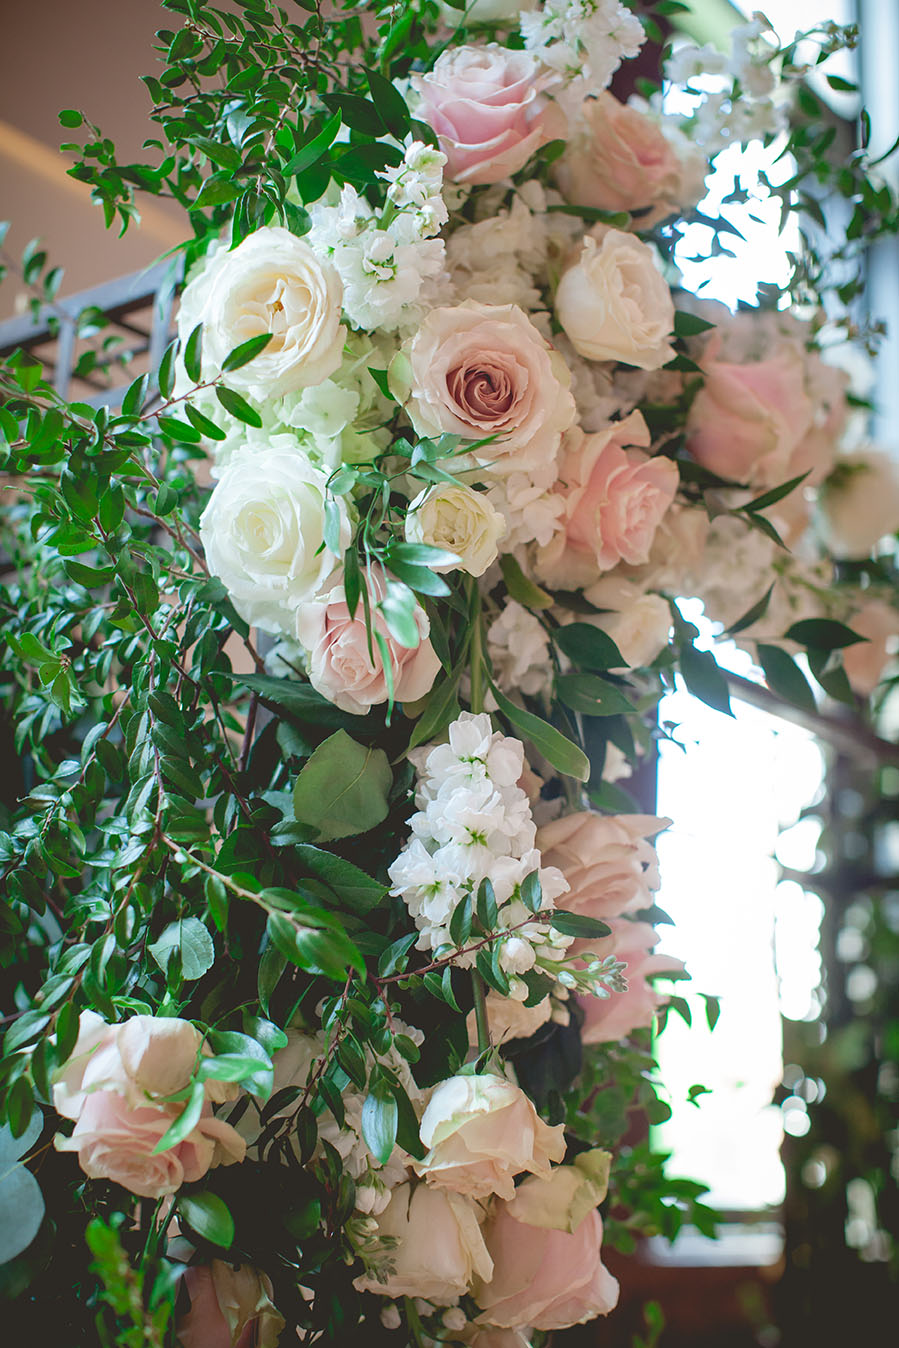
(263, 531)
(460, 520)
(584, 40)
(271, 282)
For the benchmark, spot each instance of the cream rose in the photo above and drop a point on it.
(614, 304)
(263, 533)
(460, 520)
(860, 502)
(271, 282)
(433, 1247)
(481, 1131)
(546, 1249)
(479, 370)
(621, 161)
(610, 865)
(615, 498)
(340, 666)
(488, 109)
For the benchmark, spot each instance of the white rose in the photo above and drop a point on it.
(435, 1247)
(271, 282)
(861, 502)
(482, 1131)
(262, 531)
(614, 303)
(459, 519)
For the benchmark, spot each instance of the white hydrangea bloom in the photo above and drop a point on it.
(519, 650)
(473, 823)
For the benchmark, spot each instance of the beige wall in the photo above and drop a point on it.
(86, 54)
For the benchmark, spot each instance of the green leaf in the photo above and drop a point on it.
(398, 608)
(591, 695)
(297, 698)
(589, 646)
(442, 708)
(390, 104)
(330, 953)
(380, 1116)
(828, 670)
(776, 494)
(343, 788)
(357, 890)
(243, 354)
(704, 679)
(522, 589)
(71, 119)
(784, 677)
(216, 190)
(688, 325)
(752, 615)
(576, 924)
(193, 354)
(186, 1121)
(564, 756)
(486, 907)
(203, 424)
(237, 406)
(825, 634)
(460, 922)
(393, 956)
(190, 937)
(532, 892)
(207, 1215)
(21, 1203)
(165, 378)
(313, 150)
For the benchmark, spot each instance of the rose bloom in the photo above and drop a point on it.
(117, 1142)
(509, 1018)
(438, 1250)
(747, 421)
(263, 533)
(610, 865)
(339, 665)
(865, 661)
(141, 1058)
(459, 519)
(615, 499)
(606, 1020)
(622, 162)
(271, 282)
(614, 304)
(547, 1270)
(481, 1132)
(860, 502)
(229, 1308)
(480, 370)
(488, 109)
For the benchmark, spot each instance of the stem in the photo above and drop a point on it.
(480, 1012)
(477, 647)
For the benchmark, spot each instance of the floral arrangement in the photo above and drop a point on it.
(335, 1002)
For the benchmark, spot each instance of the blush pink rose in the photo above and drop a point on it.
(749, 422)
(489, 110)
(622, 162)
(229, 1308)
(339, 664)
(865, 661)
(608, 861)
(478, 370)
(607, 1020)
(117, 1142)
(544, 1275)
(615, 499)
